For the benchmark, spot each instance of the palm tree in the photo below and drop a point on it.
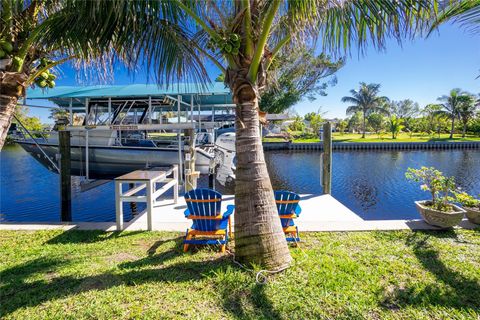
(365, 100)
(405, 110)
(467, 110)
(451, 104)
(242, 38)
(395, 125)
(434, 116)
(36, 36)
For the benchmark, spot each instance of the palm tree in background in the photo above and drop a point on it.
(434, 116)
(395, 124)
(451, 104)
(366, 101)
(466, 110)
(405, 110)
(179, 38)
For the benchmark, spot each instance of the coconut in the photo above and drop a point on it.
(44, 75)
(42, 83)
(51, 77)
(51, 84)
(228, 48)
(7, 46)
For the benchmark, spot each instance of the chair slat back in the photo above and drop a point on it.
(286, 201)
(204, 203)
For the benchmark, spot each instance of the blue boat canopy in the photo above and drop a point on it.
(215, 94)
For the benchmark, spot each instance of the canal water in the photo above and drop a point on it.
(371, 183)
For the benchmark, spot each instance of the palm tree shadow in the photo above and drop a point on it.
(16, 282)
(15, 291)
(235, 303)
(452, 289)
(88, 236)
(19, 291)
(154, 259)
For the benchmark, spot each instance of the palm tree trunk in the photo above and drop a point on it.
(259, 237)
(11, 89)
(364, 125)
(464, 131)
(453, 127)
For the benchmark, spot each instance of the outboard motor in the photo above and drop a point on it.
(224, 159)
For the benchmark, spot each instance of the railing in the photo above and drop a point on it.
(36, 143)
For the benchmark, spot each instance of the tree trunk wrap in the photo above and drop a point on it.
(259, 237)
(11, 89)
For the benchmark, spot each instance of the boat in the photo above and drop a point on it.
(133, 130)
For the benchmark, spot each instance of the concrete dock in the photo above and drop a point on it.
(319, 213)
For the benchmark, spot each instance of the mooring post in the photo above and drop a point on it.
(65, 183)
(191, 175)
(327, 158)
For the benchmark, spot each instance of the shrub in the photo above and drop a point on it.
(467, 200)
(441, 188)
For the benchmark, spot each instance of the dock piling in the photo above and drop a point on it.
(65, 171)
(327, 158)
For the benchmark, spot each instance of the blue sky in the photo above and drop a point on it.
(421, 70)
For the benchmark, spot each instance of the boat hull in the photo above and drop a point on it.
(112, 161)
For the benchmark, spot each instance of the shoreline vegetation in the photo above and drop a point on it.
(146, 275)
(373, 137)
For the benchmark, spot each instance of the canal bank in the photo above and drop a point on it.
(433, 145)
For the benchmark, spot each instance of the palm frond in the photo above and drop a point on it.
(153, 32)
(465, 12)
(348, 24)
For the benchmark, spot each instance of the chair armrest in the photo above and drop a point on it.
(230, 210)
(298, 210)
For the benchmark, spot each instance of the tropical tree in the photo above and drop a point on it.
(316, 122)
(179, 38)
(32, 124)
(467, 110)
(376, 121)
(298, 75)
(405, 110)
(451, 105)
(435, 118)
(297, 124)
(355, 122)
(366, 101)
(395, 125)
(341, 126)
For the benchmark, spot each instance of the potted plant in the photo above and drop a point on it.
(439, 211)
(471, 206)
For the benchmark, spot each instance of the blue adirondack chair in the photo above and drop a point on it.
(213, 227)
(288, 209)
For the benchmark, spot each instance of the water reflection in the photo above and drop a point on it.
(371, 183)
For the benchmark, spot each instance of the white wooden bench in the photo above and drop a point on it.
(144, 179)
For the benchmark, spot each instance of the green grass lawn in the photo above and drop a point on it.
(402, 137)
(145, 275)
